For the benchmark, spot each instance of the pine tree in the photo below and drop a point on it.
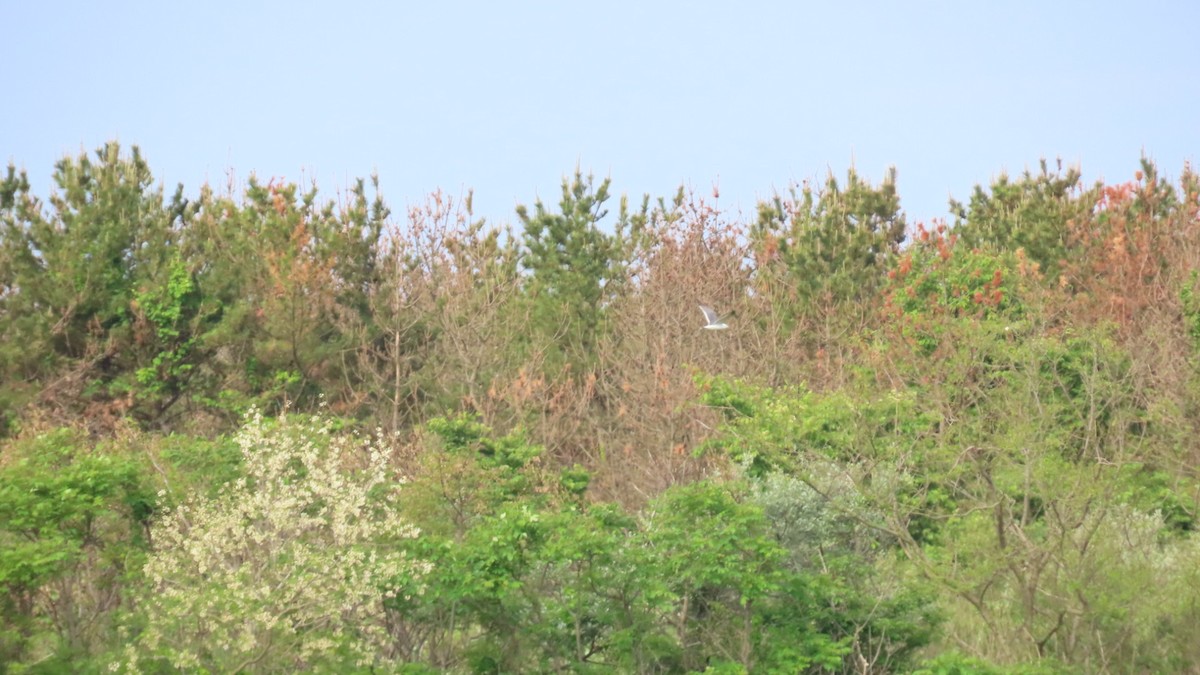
(835, 242)
(570, 263)
(1031, 213)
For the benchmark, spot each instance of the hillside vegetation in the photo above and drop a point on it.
(274, 431)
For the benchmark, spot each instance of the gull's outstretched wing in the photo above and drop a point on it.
(710, 315)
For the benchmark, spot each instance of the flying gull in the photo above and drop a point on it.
(714, 321)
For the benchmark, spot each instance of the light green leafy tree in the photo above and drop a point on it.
(831, 472)
(72, 533)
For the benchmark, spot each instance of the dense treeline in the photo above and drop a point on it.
(275, 432)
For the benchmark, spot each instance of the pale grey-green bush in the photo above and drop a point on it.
(285, 569)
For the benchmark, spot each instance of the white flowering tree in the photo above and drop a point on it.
(283, 570)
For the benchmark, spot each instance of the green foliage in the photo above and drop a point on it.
(781, 429)
(157, 309)
(836, 242)
(172, 317)
(464, 434)
(575, 481)
(532, 579)
(1034, 463)
(1191, 307)
(1032, 213)
(476, 471)
(718, 578)
(825, 471)
(539, 580)
(71, 275)
(72, 528)
(291, 275)
(971, 454)
(736, 555)
(1155, 491)
(955, 663)
(940, 279)
(573, 268)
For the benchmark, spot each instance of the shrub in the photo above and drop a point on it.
(71, 529)
(284, 569)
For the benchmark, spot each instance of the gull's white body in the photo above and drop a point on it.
(713, 322)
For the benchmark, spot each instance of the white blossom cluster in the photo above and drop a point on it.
(285, 569)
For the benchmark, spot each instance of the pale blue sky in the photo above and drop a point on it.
(506, 98)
